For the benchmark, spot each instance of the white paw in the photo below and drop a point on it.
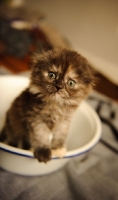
(61, 152)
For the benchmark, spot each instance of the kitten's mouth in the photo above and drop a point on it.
(52, 91)
(61, 95)
(58, 93)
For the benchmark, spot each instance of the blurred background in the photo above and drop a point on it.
(88, 26)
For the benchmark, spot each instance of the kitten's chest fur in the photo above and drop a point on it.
(53, 114)
(33, 111)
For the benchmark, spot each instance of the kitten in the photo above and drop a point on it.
(40, 116)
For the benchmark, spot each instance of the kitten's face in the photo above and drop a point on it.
(61, 75)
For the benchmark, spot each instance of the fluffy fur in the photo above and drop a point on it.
(39, 117)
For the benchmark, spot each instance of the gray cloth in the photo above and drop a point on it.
(97, 181)
(93, 178)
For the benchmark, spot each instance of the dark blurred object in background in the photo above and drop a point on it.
(22, 33)
(17, 42)
(17, 45)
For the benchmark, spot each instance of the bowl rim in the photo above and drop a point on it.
(81, 150)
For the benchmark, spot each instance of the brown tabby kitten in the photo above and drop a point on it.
(40, 116)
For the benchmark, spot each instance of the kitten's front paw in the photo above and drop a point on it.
(43, 154)
(60, 152)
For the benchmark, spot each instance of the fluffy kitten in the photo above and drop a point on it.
(39, 117)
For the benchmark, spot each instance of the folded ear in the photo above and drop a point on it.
(89, 74)
(38, 54)
(44, 47)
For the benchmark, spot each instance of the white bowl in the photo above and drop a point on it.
(84, 134)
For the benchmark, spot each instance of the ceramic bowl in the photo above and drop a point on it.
(84, 134)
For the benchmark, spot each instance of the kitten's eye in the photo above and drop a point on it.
(51, 75)
(71, 83)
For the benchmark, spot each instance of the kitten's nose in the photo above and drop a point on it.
(58, 86)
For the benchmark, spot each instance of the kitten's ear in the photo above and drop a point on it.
(88, 73)
(90, 76)
(39, 54)
(33, 60)
(44, 47)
